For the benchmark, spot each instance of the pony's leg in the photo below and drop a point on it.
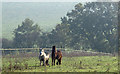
(60, 61)
(57, 63)
(54, 61)
(40, 63)
(44, 63)
(47, 62)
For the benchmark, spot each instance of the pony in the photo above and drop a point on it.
(56, 55)
(43, 57)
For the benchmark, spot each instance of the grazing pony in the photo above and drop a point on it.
(56, 55)
(43, 57)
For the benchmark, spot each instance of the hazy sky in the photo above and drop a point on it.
(59, 0)
(47, 0)
(45, 14)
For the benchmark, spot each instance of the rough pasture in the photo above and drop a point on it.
(72, 61)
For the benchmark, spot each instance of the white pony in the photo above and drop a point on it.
(43, 57)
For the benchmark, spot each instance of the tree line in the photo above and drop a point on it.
(91, 26)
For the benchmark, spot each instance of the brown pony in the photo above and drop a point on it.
(56, 55)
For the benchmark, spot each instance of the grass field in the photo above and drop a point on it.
(69, 64)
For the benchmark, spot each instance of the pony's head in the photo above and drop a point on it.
(41, 52)
(53, 49)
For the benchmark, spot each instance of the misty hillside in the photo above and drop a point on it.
(46, 14)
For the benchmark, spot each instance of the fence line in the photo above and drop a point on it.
(31, 49)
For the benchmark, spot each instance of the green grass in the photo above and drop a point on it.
(69, 64)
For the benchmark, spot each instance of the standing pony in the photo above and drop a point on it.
(43, 57)
(56, 55)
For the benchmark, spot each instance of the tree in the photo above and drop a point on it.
(27, 34)
(7, 43)
(93, 25)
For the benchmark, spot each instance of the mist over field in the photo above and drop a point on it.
(46, 15)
